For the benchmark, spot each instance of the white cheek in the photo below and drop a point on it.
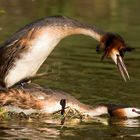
(130, 114)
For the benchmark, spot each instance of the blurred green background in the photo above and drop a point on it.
(76, 67)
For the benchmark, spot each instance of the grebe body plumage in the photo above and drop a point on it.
(35, 99)
(23, 53)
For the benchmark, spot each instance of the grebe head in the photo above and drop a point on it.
(131, 112)
(136, 111)
(114, 46)
(123, 111)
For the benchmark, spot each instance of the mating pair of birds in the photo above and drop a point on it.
(23, 53)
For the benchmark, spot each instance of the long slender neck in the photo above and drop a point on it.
(64, 26)
(88, 32)
(93, 32)
(90, 110)
(50, 35)
(97, 111)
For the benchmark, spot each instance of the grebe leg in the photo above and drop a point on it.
(26, 81)
(22, 83)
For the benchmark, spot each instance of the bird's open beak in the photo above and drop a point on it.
(115, 55)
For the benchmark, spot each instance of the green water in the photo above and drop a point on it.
(76, 67)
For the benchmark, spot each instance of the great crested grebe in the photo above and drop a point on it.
(24, 52)
(35, 99)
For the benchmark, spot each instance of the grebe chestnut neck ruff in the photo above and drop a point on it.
(35, 99)
(24, 52)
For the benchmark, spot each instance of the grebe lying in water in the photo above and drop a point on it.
(24, 52)
(35, 99)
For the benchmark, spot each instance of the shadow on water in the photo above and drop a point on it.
(87, 128)
(77, 67)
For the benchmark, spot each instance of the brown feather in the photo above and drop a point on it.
(12, 52)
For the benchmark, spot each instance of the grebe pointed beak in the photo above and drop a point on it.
(115, 55)
(136, 111)
(114, 46)
(122, 68)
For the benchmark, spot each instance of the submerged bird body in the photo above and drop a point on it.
(35, 99)
(23, 53)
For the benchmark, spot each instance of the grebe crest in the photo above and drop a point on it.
(114, 46)
(123, 111)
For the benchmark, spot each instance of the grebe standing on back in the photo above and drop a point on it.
(23, 53)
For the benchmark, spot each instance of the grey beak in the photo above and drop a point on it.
(138, 112)
(122, 68)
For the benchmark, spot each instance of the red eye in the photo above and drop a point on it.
(133, 110)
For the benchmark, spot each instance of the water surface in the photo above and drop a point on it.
(76, 67)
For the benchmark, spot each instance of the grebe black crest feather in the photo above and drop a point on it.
(113, 107)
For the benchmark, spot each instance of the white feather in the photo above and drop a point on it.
(130, 113)
(31, 61)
